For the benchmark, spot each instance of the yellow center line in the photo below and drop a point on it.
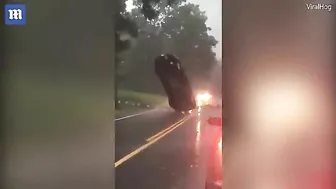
(150, 142)
(166, 129)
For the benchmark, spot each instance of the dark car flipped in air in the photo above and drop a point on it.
(175, 83)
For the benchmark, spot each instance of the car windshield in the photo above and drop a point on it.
(160, 130)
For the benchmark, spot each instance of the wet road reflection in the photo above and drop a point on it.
(198, 136)
(177, 160)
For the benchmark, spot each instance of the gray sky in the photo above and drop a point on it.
(213, 9)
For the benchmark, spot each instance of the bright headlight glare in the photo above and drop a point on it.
(203, 98)
(281, 107)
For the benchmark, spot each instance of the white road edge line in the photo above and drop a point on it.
(133, 115)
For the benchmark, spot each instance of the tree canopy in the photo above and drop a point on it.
(150, 9)
(180, 29)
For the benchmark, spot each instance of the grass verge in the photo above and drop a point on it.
(153, 100)
(134, 102)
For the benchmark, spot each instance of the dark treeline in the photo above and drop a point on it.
(179, 28)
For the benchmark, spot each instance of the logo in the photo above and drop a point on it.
(15, 14)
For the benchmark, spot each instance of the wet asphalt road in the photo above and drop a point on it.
(172, 162)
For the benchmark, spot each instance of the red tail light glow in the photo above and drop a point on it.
(216, 121)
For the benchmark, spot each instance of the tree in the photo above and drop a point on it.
(125, 26)
(150, 9)
(179, 29)
(186, 27)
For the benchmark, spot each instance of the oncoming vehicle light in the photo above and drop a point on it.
(203, 98)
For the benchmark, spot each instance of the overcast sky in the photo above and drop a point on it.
(213, 9)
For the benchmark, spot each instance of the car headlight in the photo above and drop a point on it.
(203, 98)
